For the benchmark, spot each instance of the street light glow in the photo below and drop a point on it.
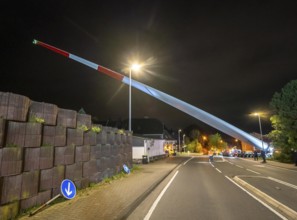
(136, 66)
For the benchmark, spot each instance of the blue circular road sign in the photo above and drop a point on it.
(126, 168)
(68, 189)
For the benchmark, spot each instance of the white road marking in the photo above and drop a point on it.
(260, 201)
(188, 160)
(282, 182)
(218, 170)
(150, 212)
(239, 166)
(253, 171)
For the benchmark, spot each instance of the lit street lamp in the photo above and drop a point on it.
(135, 67)
(259, 117)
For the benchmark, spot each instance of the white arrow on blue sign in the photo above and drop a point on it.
(68, 189)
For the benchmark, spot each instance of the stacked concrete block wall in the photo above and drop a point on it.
(42, 144)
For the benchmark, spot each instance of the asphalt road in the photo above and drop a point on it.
(199, 189)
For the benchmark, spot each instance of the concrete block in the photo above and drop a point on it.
(75, 136)
(89, 138)
(106, 150)
(46, 180)
(2, 131)
(30, 184)
(58, 175)
(74, 171)
(16, 134)
(33, 135)
(11, 188)
(102, 136)
(47, 112)
(84, 121)
(12, 161)
(18, 107)
(9, 211)
(31, 159)
(66, 118)
(95, 151)
(54, 136)
(82, 153)
(60, 137)
(46, 158)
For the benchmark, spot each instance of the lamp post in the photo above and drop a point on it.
(184, 142)
(259, 117)
(133, 67)
(179, 140)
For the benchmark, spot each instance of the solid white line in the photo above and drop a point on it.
(150, 212)
(253, 171)
(282, 182)
(211, 164)
(188, 160)
(218, 170)
(230, 163)
(239, 166)
(260, 201)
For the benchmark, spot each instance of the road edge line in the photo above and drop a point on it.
(276, 204)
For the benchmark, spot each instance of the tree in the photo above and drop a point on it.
(284, 119)
(216, 143)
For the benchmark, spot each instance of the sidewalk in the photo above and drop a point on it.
(111, 201)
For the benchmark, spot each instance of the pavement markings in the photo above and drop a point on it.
(282, 182)
(260, 201)
(253, 171)
(188, 160)
(218, 170)
(239, 166)
(153, 207)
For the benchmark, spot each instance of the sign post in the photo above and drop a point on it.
(68, 189)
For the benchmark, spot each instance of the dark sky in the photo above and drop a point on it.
(225, 57)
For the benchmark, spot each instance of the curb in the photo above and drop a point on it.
(130, 208)
(281, 207)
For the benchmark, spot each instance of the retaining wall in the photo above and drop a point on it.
(42, 144)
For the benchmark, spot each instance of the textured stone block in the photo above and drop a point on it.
(102, 136)
(31, 159)
(58, 175)
(4, 97)
(106, 150)
(46, 158)
(84, 120)
(9, 211)
(43, 197)
(64, 155)
(12, 162)
(2, 130)
(82, 153)
(60, 136)
(75, 136)
(46, 179)
(90, 138)
(90, 168)
(110, 137)
(95, 152)
(14, 107)
(54, 136)
(16, 134)
(11, 188)
(30, 184)
(74, 171)
(33, 135)
(66, 118)
(47, 112)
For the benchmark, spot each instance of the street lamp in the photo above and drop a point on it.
(259, 117)
(184, 142)
(179, 140)
(135, 67)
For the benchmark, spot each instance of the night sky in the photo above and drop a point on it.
(225, 57)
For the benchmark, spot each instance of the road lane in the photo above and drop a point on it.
(199, 191)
